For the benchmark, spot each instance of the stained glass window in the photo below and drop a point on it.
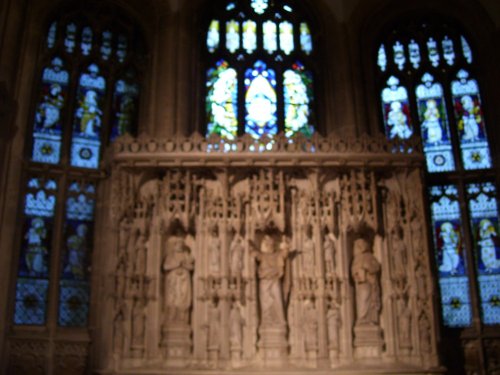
(48, 129)
(86, 142)
(222, 108)
(87, 94)
(260, 101)
(483, 210)
(259, 77)
(297, 90)
(74, 278)
(448, 244)
(33, 272)
(396, 110)
(470, 122)
(448, 112)
(434, 125)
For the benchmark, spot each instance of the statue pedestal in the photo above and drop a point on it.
(367, 341)
(273, 346)
(236, 354)
(176, 344)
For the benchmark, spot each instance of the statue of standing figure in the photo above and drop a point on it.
(177, 266)
(236, 255)
(365, 271)
(271, 269)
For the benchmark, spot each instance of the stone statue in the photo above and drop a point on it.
(138, 325)
(333, 323)
(214, 248)
(236, 256)
(311, 326)
(308, 253)
(330, 252)
(271, 270)
(177, 266)
(365, 271)
(213, 326)
(236, 323)
(141, 253)
(118, 329)
(399, 253)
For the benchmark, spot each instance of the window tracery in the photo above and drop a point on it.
(428, 80)
(88, 94)
(259, 79)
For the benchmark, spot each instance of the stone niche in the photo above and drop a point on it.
(270, 256)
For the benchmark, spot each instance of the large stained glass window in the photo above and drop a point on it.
(36, 249)
(259, 75)
(82, 63)
(428, 85)
(87, 95)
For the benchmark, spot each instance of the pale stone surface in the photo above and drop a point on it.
(271, 268)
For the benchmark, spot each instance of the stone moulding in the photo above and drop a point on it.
(330, 151)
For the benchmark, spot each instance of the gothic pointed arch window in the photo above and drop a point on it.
(259, 70)
(427, 73)
(87, 94)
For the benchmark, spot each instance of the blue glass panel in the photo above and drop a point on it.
(297, 92)
(47, 133)
(399, 55)
(396, 110)
(73, 282)
(125, 107)
(232, 35)
(468, 113)
(213, 36)
(106, 46)
(86, 141)
(434, 125)
(260, 101)
(121, 48)
(70, 39)
(449, 252)
(414, 52)
(286, 37)
(249, 36)
(382, 58)
(448, 50)
(305, 38)
(221, 101)
(259, 6)
(33, 272)
(483, 211)
(86, 43)
(52, 35)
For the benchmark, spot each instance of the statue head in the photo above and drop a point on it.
(267, 244)
(361, 246)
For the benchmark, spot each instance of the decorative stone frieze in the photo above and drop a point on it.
(272, 254)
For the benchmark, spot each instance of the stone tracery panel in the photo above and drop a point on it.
(268, 266)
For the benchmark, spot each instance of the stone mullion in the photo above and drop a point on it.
(320, 272)
(224, 303)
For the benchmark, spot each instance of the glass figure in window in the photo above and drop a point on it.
(487, 237)
(77, 248)
(450, 248)
(48, 113)
(471, 118)
(36, 253)
(221, 101)
(48, 123)
(89, 114)
(397, 120)
(260, 100)
(432, 122)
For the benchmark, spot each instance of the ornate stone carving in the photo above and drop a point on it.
(237, 259)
